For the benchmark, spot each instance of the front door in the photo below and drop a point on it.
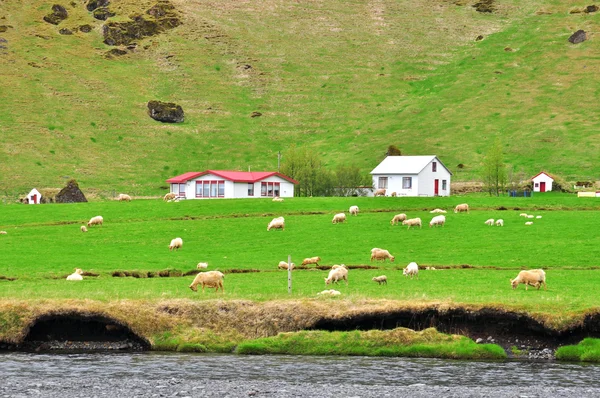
(436, 187)
(542, 186)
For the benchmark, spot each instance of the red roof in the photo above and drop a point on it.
(540, 173)
(235, 176)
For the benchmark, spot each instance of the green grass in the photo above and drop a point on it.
(588, 350)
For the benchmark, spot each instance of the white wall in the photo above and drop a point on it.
(427, 178)
(542, 178)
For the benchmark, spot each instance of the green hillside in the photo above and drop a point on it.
(343, 78)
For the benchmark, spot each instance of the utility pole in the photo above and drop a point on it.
(278, 160)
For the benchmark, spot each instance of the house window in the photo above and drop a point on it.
(406, 182)
(221, 185)
(434, 166)
(198, 189)
(276, 189)
(210, 189)
(250, 189)
(206, 189)
(537, 184)
(270, 189)
(383, 183)
(444, 185)
(181, 190)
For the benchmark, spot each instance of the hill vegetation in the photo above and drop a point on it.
(344, 79)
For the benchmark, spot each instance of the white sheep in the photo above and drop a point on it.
(380, 192)
(124, 197)
(499, 222)
(335, 266)
(461, 207)
(202, 266)
(437, 211)
(311, 260)
(382, 279)
(398, 218)
(412, 269)
(176, 243)
(83, 228)
(489, 221)
(412, 222)
(210, 279)
(277, 223)
(329, 292)
(338, 218)
(381, 254)
(538, 216)
(336, 275)
(529, 223)
(3, 233)
(437, 220)
(530, 216)
(76, 276)
(353, 210)
(284, 265)
(534, 277)
(523, 215)
(98, 220)
(170, 196)
(277, 199)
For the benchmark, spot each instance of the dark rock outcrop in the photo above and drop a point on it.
(93, 4)
(65, 31)
(578, 37)
(59, 14)
(484, 6)
(102, 14)
(115, 52)
(70, 194)
(592, 8)
(167, 112)
(85, 28)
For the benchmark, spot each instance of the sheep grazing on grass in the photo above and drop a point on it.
(353, 210)
(76, 276)
(380, 192)
(124, 198)
(202, 266)
(529, 223)
(489, 221)
(523, 215)
(463, 207)
(277, 199)
(337, 274)
(98, 220)
(284, 265)
(412, 222)
(412, 269)
(538, 216)
(169, 196)
(329, 292)
(3, 233)
(381, 255)
(499, 222)
(437, 211)
(336, 266)
(277, 223)
(83, 228)
(437, 220)
(534, 277)
(398, 218)
(382, 279)
(530, 216)
(176, 243)
(338, 218)
(210, 279)
(393, 194)
(311, 260)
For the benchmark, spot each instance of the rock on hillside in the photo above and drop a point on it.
(59, 14)
(70, 194)
(165, 112)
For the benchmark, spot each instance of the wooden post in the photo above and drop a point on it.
(289, 274)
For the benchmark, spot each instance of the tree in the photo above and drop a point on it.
(348, 179)
(393, 151)
(307, 168)
(494, 170)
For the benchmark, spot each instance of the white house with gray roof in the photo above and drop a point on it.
(412, 176)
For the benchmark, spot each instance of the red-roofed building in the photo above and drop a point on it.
(213, 184)
(542, 182)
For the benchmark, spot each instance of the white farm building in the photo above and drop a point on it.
(219, 184)
(542, 182)
(412, 176)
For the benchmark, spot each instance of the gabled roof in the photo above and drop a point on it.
(235, 176)
(540, 173)
(405, 164)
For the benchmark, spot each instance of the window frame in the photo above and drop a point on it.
(382, 183)
(406, 180)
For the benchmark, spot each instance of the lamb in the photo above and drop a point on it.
(353, 210)
(98, 220)
(277, 199)
(523, 215)
(336, 275)
(398, 218)
(489, 221)
(380, 192)
(83, 228)
(411, 222)
(437, 220)
(382, 279)
(393, 194)
(176, 243)
(284, 265)
(210, 279)
(534, 277)
(461, 207)
(338, 218)
(437, 211)
(169, 196)
(311, 260)
(76, 276)
(124, 197)
(412, 269)
(329, 292)
(381, 254)
(499, 222)
(275, 223)
(529, 223)
(202, 266)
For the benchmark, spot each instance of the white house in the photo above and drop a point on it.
(412, 176)
(34, 197)
(542, 182)
(212, 184)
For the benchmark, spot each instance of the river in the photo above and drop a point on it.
(153, 374)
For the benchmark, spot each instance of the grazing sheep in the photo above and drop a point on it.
(430, 268)
(169, 196)
(284, 265)
(124, 197)
(530, 216)
(336, 275)
(529, 223)
(499, 222)
(381, 254)
(380, 192)
(202, 266)
(98, 220)
(340, 217)
(411, 222)
(398, 218)
(382, 279)
(353, 210)
(489, 221)
(176, 243)
(437, 220)
(275, 223)
(76, 276)
(3, 233)
(534, 277)
(329, 292)
(336, 266)
(277, 199)
(437, 211)
(461, 207)
(393, 194)
(210, 279)
(523, 215)
(311, 260)
(538, 216)
(83, 228)
(412, 269)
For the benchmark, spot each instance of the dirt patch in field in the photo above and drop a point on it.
(7, 278)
